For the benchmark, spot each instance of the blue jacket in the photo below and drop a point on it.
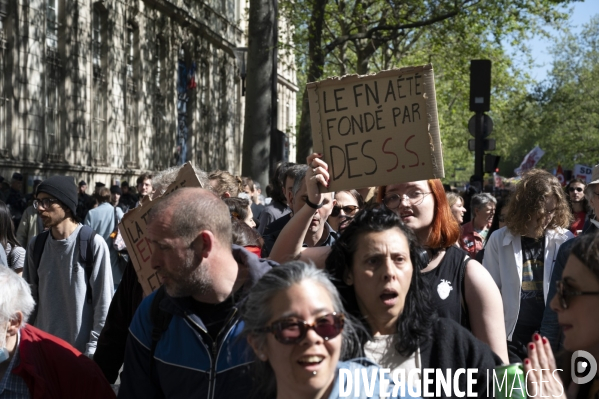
(187, 363)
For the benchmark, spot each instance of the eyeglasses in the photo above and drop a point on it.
(565, 292)
(415, 198)
(292, 330)
(347, 209)
(45, 203)
(577, 189)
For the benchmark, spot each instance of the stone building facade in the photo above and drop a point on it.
(105, 90)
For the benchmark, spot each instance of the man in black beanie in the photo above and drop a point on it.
(72, 282)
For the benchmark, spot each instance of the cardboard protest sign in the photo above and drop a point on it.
(133, 230)
(377, 129)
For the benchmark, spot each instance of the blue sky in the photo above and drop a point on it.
(582, 13)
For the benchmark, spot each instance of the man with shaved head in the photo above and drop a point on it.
(205, 278)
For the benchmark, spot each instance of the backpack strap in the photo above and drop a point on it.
(160, 323)
(116, 221)
(86, 253)
(38, 249)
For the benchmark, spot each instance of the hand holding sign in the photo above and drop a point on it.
(317, 175)
(377, 129)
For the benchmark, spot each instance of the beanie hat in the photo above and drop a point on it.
(116, 190)
(63, 189)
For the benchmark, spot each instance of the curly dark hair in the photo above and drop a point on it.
(527, 203)
(414, 323)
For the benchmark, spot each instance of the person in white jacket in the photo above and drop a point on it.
(521, 255)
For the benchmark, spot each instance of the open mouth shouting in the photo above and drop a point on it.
(389, 297)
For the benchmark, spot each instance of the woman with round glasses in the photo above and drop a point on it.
(576, 304)
(295, 324)
(349, 202)
(462, 289)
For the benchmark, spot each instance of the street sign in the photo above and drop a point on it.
(488, 145)
(487, 126)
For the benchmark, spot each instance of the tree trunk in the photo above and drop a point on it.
(316, 57)
(259, 91)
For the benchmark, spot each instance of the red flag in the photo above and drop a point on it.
(560, 175)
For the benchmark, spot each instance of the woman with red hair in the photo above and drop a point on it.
(465, 291)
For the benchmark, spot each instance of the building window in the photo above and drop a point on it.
(3, 96)
(53, 67)
(131, 114)
(158, 63)
(99, 125)
(159, 101)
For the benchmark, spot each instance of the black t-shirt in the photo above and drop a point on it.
(532, 303)
(214, 316)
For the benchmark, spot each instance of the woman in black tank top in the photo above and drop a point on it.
(458, 292)
(467, 295)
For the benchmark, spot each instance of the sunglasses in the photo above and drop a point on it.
(565, 292)
(292, 330)
(577, 189)
(347, 209)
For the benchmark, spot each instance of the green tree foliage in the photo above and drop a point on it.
(365, 36)
(562, 114)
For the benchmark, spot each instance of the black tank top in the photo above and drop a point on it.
(446, 283)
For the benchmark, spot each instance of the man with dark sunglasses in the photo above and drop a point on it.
(578, 204)
(184, 340)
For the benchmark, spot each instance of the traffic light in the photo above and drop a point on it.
(491, 163)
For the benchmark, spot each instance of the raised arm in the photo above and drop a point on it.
(485, 308)
(289, 244)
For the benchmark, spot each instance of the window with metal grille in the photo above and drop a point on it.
(99, 126)
(131, 114)
(3, 97)
(53, 68)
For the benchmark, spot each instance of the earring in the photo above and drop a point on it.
(262, 357)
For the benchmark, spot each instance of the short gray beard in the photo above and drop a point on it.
(194, 281)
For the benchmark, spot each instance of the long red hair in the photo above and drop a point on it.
(445, 230)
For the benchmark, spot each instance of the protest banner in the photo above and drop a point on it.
(133, 230)
(530, 160)
(378, 129)
(583, 172)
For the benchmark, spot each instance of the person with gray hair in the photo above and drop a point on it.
(320, 233)
(34, 363)
(474, 233)
(194, 351)
(296, 325)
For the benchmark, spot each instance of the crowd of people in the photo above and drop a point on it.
(285, 296)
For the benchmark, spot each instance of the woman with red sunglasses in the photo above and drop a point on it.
(576, 304)
(295, 323)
